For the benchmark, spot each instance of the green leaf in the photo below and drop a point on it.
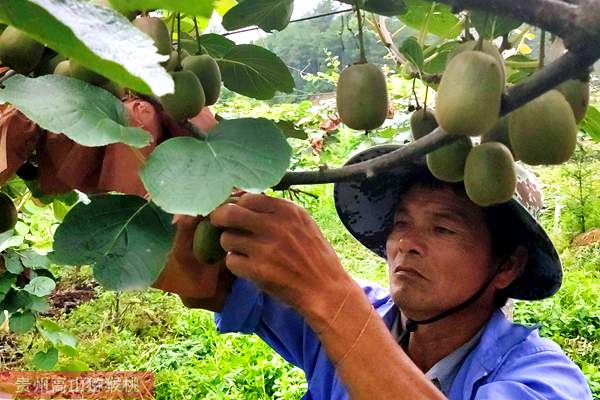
(56, 335)
(21, 322)
(6, 282)
(12, 262)
(97, 37)
(290, 130)
(185, 175)
(268, 15)
(46, 360)
(75, 366)
(388, 8)
(89, 115)
(256, 72)
(15, 300)
(33, 260)
(125, 238)
(441, 23)
(199, 8)
(491, 26)
(38, 304)
(8, 239)
(591, 123)
(413, 52)
(40, 286)
(216, 45)
(438, 59)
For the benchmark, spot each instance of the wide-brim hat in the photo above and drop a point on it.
(367, 208)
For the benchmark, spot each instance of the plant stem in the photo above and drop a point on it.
(178, 67)
(200, 49)
(361, 41)
(542, 49)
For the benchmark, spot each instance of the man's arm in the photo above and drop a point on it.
(278, 246)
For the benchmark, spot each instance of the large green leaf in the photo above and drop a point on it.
(6, 282)
(21, 322)
(40, 286)
(57, 335)
(125, 238)
(389, 8)
(413, 52)
(12, 262)
(89, 115)
(46, 360)
(268, 15)
(190, 176)
(591, 123)
(200, 8)
(99, 38)
(216, 45)
(492, 26)
(441, 22)
(256, 72)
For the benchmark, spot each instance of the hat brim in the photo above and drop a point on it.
(366, 209)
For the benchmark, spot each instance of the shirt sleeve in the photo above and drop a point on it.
(249, 310)
(541, 374)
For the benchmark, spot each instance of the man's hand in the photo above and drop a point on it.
(276, 244)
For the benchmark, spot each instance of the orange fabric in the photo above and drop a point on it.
(122, 163)
(184, 274)
(18, 140)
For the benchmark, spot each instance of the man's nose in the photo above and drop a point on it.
(411, 242)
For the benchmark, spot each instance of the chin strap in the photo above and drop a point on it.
(411, 325)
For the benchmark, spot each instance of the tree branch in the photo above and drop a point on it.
(577, 22)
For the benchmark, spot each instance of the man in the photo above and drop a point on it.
(438, 333)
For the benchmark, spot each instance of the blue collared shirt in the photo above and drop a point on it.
(509, 361)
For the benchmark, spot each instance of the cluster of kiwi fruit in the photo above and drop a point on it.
(541, 132)
(197, 77)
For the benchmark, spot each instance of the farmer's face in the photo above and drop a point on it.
(438, 252)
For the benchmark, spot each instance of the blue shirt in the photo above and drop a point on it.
(510, 361)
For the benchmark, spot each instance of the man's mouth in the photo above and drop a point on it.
(407, 271)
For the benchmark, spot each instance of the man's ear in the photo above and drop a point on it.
(512, 268)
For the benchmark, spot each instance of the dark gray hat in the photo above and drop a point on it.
(367, 207)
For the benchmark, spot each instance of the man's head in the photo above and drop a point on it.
(442, 249)
(509, 232)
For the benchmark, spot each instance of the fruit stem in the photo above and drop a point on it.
(200, 48)
(9, 74)
(542, 49)
(178, 66)
(414, 91)
(361, 41)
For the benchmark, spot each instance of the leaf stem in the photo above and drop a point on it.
(361, 40)
(542, 49)
(200, 48)
(178, 67)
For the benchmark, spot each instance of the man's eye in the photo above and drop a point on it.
(443, 230)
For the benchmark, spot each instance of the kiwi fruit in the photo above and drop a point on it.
(448, 163)
(48, 64)
(8, 213)
(206, 243)
(543, 131)
(172, 64)
(499, 133)
(82, 73)
(422, 122)
(490, 176)
(577, 94)
(19, 51)
(207, 70)
(188, 99)
(470, 93)
(487, 47)
(157, 30)
(362, 97)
